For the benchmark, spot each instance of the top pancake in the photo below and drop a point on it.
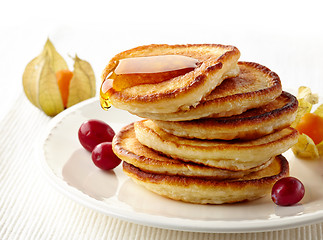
(255, 86)
(217, 62)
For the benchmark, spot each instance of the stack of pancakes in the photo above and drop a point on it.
(213, 135)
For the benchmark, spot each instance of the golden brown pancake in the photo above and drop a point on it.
(216, 62)
(217, 126)
(251, 124)
(129, 149)
(209, 191)
(255, 86)
(233, 155)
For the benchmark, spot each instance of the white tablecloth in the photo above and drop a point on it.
(32, 209)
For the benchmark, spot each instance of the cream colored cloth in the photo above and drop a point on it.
(32, 209)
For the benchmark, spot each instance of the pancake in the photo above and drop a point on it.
(255, 86)
(216, 63)
(129, 149)
(233, 155)
(209, 191)
(251, 124)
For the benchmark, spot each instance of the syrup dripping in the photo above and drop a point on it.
(131, 72)
(104, 97)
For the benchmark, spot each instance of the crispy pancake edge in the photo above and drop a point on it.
(211, 153)
(206, 191)
(182, 180)
(170, 166)
(249, 127)
(222, 107)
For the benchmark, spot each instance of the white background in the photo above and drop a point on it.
(286, 36)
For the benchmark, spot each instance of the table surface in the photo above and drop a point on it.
(285, 36)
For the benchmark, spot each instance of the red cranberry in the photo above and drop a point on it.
(94, 132)
(287, 191)
(103, 156)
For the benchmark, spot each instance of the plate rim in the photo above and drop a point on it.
(151, 220)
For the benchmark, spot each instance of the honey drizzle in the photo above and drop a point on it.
(135, 71)
(104, 97)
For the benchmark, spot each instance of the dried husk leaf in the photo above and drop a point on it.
(320, 148)
(305, 148)
(319, 111)
(303, 107)
(56, 61)
(82, 85)
(49, 96)
(39, 80)
(306, 93)
(30, 79)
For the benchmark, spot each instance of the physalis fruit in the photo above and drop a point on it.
(51, 87)
(309, 125)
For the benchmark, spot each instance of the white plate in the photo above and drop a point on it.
(70, 169)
